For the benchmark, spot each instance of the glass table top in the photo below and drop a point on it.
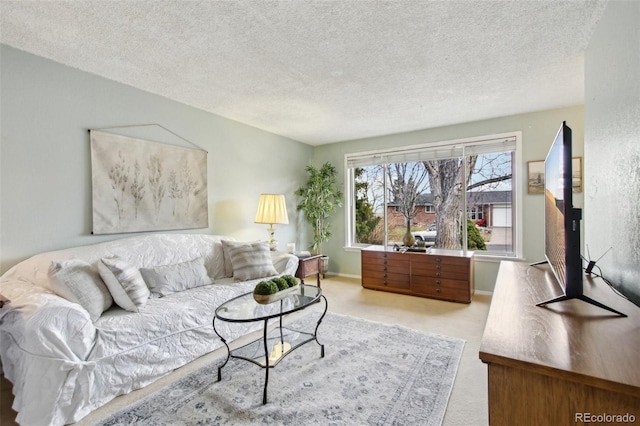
(244, 308)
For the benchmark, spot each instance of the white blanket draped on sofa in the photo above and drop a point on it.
(63, 365)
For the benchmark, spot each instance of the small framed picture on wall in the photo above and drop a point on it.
(576, 174)
(535, 176)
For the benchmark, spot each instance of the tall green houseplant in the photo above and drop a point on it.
(319, 199)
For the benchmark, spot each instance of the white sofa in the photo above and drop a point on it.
(63, 364)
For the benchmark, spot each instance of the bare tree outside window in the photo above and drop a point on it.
(448, 186)
(406, 182)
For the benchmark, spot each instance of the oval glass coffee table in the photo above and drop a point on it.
(278, 342)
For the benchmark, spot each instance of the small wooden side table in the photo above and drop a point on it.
(309, 266)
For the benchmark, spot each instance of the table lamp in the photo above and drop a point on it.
(272, 209)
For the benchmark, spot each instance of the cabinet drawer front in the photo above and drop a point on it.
(448, 293)
(394, 267)
(419, 283)
(374, 255)
(381, 255)
(456, 262)
(385, 280)
(380, 262)
(441, 271)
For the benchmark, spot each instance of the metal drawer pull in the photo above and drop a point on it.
(438, 274)
(438, 282)
(438, 260)
(438, 290)
(438, 266)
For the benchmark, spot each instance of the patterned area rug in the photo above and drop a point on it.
(372, 374)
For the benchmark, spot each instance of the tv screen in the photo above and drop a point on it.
(562, 228)
(562, 222)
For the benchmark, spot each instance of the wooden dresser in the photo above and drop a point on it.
(561, 364)
(439, 274)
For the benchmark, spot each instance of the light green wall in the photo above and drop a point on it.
(45, 173)
(538, 131)
(612, 146)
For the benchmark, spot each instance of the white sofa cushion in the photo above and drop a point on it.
(125, 283)
(250, 260)
(78, 282)
(168, 279)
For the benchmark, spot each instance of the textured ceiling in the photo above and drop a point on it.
(324, 71)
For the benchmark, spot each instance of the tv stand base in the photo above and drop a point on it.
(584, 299)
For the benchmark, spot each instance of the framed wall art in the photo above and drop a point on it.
(576, 171)
(535, 175)
(140, 185)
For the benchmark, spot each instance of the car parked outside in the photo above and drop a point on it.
(428, 235)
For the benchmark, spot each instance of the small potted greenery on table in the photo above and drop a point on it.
(272, 290)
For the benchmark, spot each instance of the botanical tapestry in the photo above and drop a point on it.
(140, 185)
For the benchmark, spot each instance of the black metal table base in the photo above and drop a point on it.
(279, 331)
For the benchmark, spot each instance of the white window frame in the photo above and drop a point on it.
(517, 179)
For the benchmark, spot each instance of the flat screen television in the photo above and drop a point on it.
(562, 222)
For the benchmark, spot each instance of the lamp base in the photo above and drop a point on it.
(273, 244)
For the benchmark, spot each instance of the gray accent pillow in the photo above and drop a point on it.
(249, 260)
(228, 267)
(124, 282)
(77, 281)
(168, 279)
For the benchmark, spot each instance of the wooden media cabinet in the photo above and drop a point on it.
(569, 363)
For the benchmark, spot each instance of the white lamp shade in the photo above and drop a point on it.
(272, 208)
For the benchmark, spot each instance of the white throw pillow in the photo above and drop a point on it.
(78, 282)
(249, 260)
(170, 279)
(125, 283)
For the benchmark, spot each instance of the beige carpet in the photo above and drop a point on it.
(468, 401)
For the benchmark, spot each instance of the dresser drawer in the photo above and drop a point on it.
(384, 260)
(381, 279)
(449, 261)
(383, 256)
(419, 283)
(454, 272)
(374, 255)
(454, 293)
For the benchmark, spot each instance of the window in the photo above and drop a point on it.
(455, 195)
(475, 213)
